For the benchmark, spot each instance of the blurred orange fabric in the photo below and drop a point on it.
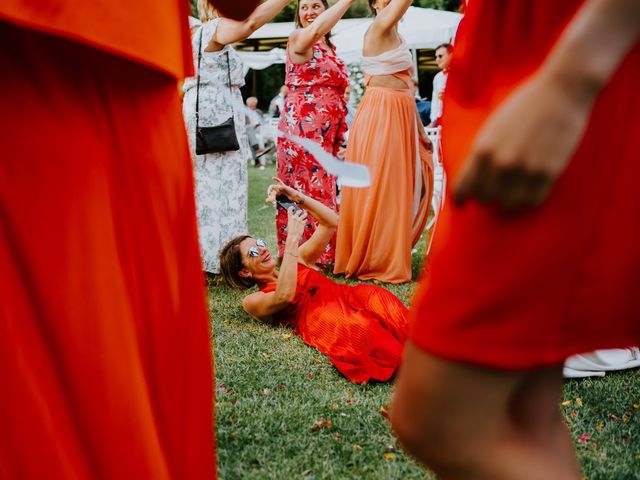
(105, 355)
(531, 288)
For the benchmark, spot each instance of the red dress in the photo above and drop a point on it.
(362, 328)
(105, 356)
(530, 289)
(314, 108)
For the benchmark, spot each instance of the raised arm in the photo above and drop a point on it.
(262, 306)
(302, 39)
(310, 251)
(527, 143)
(231, 31)
(389, 16)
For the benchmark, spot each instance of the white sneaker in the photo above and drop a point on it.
(601, 361)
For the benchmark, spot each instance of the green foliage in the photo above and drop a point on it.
(275, 397)
(264, 84)
(451, 5)
(287, 13)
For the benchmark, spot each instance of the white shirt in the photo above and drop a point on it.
(439, 82)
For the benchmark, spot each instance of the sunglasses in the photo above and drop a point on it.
(253, 251)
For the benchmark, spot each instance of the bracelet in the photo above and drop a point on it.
(289, 253)
(300, 200)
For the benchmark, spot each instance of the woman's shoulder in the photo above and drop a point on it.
(206, 31)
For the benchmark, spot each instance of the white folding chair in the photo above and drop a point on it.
(273, 127)
(439, 181)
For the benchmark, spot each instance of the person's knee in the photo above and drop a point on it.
(433, 416)
(426, 435)
(412, 436)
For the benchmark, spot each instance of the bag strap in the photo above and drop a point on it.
(198, 77)
(229, 75)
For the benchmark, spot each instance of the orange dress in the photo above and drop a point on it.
(530, 289)
(380, 224)
(362, 328)
(105, 355)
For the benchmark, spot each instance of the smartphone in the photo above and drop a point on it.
(283, 202)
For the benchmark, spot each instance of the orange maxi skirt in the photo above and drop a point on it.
(380, 224)
(529, 289)
(105, 355)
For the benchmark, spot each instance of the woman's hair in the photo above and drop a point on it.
(231, 264)
(206, 11)
(373, 10)
(296, 20)
(448, 46)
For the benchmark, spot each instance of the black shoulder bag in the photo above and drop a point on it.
(220, 138)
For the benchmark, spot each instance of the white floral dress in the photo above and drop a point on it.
(220, 178)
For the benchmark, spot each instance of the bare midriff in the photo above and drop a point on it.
(387, 81)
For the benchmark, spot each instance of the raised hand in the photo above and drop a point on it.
(280, 188)
(524, 146)
(295, 225)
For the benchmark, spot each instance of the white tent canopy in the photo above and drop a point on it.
(420, 27)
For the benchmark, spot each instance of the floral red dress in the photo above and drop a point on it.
(314, 108)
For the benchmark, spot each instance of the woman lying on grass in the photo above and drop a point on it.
(362, 328)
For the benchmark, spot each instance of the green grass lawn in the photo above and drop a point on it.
(283, 411)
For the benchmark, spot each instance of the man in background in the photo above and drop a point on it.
(444, 53)
(277, 103)
(253, 121)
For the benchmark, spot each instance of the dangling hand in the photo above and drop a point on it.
(524, 146)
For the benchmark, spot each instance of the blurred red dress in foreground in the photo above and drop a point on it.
(362, 328)
(105, 356)
(529, 289)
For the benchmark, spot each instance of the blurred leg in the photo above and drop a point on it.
(468, 422)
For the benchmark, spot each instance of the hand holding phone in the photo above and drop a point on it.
(285, 203)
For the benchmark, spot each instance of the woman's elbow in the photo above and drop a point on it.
(285, 298)
(300, 44)
(251, 25)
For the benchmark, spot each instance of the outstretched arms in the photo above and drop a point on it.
(389, 16)
(230, 31)
(302, 39)
(309, 251)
